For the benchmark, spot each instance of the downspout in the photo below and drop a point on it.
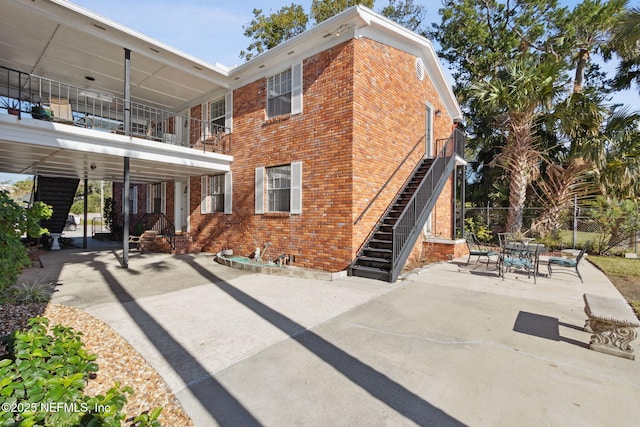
(127, 131)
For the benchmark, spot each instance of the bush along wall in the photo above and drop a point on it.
(42, 382)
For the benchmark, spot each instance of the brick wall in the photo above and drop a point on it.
(363, 115)
(320, 138)
(363, 120)
(389, 130)
(142, 203)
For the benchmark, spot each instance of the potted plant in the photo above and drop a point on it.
(40, 112)
(11, 105)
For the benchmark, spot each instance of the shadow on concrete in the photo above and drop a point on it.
(546, 327)
(225, 406)
(375, 383)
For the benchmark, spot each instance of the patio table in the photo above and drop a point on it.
(526, 253)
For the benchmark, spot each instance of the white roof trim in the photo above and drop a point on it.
(362, 21)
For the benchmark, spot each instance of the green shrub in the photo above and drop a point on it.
(37, 291)
(481, 231)
(15, 221)
(42, 382)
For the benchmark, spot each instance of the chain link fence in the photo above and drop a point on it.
(578, 227)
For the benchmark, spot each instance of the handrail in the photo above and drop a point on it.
(93, 109)
(406, 223)
(161, 223)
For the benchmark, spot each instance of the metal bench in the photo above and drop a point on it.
(612, 324)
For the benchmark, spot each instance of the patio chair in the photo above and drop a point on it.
(476, 249)
(517, 255)
(62, 113)
(61, 109)
(570, 263)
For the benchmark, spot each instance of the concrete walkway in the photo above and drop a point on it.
(449, 345)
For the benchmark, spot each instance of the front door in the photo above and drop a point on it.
(428, 132)
(181, 205)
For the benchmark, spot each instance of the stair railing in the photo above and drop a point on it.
(160, 223)
(384, 186)
(411, 219)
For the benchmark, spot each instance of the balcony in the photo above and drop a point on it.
(34, 97)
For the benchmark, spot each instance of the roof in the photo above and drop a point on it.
(63, 41)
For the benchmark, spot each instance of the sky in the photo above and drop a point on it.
(211, 30)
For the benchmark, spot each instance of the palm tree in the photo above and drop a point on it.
(620, 172)
(626, 43)
(517, 97)
(591, 29)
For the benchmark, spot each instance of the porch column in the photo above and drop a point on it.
(86, 215)
(463, 198)
(454, 202)
(126, 204)
(127, 131)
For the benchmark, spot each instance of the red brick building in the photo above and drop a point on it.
(324, 131)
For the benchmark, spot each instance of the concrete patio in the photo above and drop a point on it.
(450, 344)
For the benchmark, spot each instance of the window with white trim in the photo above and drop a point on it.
(156, 198)
(279, 94)
(217, 112)
(280, 187)
(216, 193)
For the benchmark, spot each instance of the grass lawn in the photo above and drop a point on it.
(566, 236)
(624, 273)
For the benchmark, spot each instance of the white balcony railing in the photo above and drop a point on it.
(31, 96)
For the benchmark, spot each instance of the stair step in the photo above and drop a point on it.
(376, 259)
(376, 254)
(370, 272)
(373, 259)
(384, 234)
(380, 242)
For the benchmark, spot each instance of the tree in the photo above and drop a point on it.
(478, 37)
(560, 188)
(517, 97)
(406, 13)
(626, 43)
(482, 38)
(269, 31)
(15, 221)
(617, 220)
(590, 29)
(321, 10)
(619, 175)
(22, 189)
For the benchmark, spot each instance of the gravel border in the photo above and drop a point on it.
(117, 360)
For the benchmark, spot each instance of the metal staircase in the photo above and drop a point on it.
(386, 251)
(59, 194)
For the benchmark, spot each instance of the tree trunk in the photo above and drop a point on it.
(522, 158)
(517, 196)
(581, 64)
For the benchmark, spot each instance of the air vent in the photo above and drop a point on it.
(419, 69)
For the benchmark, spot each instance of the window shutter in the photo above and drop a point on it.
(296, 89)
(163, 202)
(228, 111)
(259, 190)
(228, 193)
(149, 198)
(205, 202)
(296, 187)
